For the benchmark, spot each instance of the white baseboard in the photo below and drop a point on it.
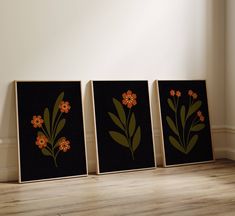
(9, 164)
(230, 154)
(230, 142)
(9, 174)
(220, 153)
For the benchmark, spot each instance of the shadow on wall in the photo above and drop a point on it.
(215, 60)
(8, 141)
(89, 128)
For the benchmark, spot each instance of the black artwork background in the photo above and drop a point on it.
(33, 98)
(113, 156)
(202, 151)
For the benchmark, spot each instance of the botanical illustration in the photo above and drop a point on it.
(187, 122)
(49, 128)
(129, 134)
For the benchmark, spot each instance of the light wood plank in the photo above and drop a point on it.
(203, 189)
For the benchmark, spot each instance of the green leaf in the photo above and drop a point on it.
(119, 138)
(198, 127)
(192, 143)
(120, 110)
(136, 139)
(172, 125)
(132, 125)
(171, 105)
(46, 152)
(56, 107)
(182, 115)
(60, 127)
(116, 120)
(46, 118)
(176, 144)
(194, 108)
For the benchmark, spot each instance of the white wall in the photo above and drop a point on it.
(230, 78)
(109, 39)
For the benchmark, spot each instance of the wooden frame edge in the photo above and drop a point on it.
(161, 128)
(151, 119)
(95, 131)
(84, 126)
(17, 131)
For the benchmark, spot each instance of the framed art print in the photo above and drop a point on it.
(51, 140)
(124, 138)
(185, 122)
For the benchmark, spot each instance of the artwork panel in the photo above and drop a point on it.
(123, 125)
(51, 139)
(185, 122)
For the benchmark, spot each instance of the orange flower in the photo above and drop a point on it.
(64, 106)
(178, 93)
(199, 113)
(37, 121)
(41, 141)
(194, 95)
(129, 99)
(172, 92)
(202, 118)
(190, 92)
(64, 145)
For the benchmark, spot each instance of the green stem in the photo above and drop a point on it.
(55, 162)
(52, 153)
(49, 149)
(183, 137)
(190, 104)
(132, 154)
(127, 123)
(192, 124)
(57, 153)
(54, 157)
(176, 119)
(45, 132)
(55, 126)
(127, 133)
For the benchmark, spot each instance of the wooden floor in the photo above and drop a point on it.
(205, 189)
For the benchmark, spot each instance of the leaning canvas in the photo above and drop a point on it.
(185, 122)
(124, 138)
(51, 140)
